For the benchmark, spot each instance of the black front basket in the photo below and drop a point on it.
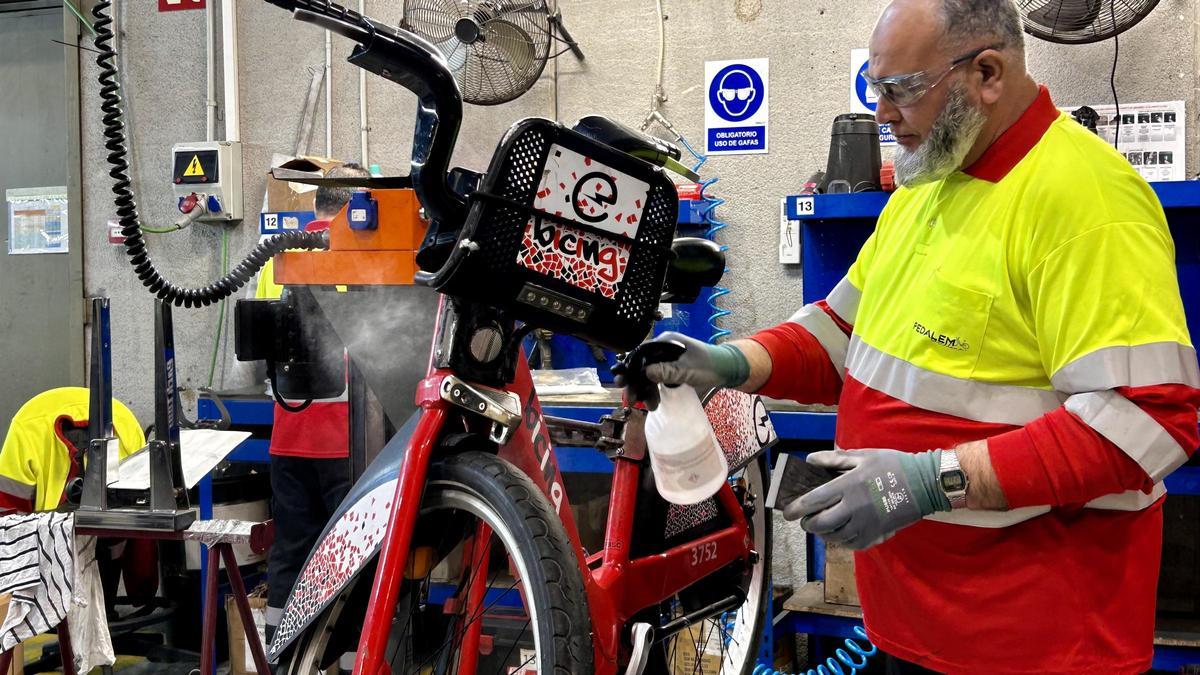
(568, 234)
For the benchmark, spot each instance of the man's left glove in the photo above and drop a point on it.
(881, 492)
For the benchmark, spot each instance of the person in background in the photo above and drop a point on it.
(1011, 363)
(310, 449)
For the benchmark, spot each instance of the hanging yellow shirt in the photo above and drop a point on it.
(35, 461)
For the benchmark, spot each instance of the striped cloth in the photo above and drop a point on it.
(37, 559)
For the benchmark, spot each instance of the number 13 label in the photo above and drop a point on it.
(805, 206)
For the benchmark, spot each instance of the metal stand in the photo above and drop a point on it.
(100, 429)
(168, 509)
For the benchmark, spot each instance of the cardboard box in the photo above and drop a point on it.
(241, 660)
(840, 587)
(686, 653)
(18, 652)
(286, 196)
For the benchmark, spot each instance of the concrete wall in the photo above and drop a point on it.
(808, 43)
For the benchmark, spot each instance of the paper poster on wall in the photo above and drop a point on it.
(37, 220)
(736, 109)
(789, 236)
(862, 99)
(1153, 136)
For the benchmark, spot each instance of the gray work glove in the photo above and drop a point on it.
(702, 366)
(882, 492)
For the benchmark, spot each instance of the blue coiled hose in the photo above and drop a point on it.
(855, 662)
(713, 225)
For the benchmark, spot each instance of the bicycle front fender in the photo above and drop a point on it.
(350, 541)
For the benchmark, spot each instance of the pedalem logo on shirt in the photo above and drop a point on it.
(955, 343)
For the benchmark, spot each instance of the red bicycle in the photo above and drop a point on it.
(457, 550)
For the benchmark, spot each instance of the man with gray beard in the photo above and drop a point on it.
(1011, 363)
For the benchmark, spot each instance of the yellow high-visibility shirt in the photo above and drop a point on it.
(35, 462)
(267, 289)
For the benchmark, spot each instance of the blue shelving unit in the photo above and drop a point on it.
(832, 230)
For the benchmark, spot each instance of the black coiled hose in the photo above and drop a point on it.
(131, 229)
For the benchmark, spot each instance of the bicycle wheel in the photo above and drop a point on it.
(487, 536)
(728, 642)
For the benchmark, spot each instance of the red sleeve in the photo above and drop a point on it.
(1058, 460)
(10, 503)
(800, 367)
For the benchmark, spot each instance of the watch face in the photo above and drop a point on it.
(953, 481)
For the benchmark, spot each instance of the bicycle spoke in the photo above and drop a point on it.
(510, 651)
(695, 653)
(425, 582)
(473, 619)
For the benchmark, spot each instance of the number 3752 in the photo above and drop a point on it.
(704, 553)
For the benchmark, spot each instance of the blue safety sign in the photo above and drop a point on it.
(861, 91)
(737, 106)
(862, 99)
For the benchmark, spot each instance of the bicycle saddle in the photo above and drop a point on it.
(621, 137)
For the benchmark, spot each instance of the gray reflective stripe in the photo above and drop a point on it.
(1133, 500)
(16, 488)
(844, 299)
(274, 614)
(1131, 429)
(988, 518)
(1111, 367)
(822, 326)
(968, 399)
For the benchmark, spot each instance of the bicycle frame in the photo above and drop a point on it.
(617, 585)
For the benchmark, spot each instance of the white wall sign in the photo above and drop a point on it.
(789, 236)
(736, 107)
(862, 99)
(1153, 137)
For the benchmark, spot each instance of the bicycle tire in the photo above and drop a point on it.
(523, 515)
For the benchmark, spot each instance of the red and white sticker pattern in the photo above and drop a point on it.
(740, 422)
(582, 190)
(742, 427)
(353, 540)
(583, 260)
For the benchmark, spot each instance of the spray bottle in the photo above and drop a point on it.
(688, 463)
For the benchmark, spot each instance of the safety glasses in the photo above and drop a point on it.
(740, 94)
(905, 90)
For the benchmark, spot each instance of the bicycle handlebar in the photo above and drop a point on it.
(416, 65)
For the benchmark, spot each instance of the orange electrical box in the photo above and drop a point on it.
(385, 256)
(400, 227)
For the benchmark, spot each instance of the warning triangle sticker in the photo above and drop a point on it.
(194, 168)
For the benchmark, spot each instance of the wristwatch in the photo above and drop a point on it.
(953, 480)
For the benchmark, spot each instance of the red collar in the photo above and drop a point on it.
(1016, 141)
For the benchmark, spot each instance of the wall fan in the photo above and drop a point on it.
(1082, 21)
(496, 49)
